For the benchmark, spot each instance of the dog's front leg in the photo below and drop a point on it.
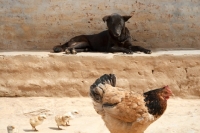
(136, 48)
(141, 49)
(120, 49)
(60, 48)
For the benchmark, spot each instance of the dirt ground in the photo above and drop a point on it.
(181, 116)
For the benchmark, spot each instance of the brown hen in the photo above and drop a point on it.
(127, 111)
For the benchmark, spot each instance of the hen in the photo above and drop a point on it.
(127, 111)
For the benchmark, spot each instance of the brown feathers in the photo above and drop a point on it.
(126, 111)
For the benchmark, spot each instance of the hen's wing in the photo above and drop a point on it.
(117, 102)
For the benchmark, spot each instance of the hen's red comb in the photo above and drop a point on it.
(168, 89)
(166, 86)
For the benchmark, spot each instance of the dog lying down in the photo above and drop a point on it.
(116, 39)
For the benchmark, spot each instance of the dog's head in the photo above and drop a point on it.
(116, 23)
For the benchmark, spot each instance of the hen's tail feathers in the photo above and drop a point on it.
(96, 90)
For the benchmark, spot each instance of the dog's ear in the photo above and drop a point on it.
(126, 18)
(105, 18)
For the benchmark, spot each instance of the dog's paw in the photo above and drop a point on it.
(86, 50)
(67, 51)
(73, 51)
(147, 51)
(128, 51)
(57, 49)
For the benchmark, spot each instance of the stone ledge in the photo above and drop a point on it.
(156, 52)
(51, 74)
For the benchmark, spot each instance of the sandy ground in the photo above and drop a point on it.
(181, 116)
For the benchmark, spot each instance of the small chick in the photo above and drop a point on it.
(37, 120)
(71, 115)
(62, 120)
(11, 129)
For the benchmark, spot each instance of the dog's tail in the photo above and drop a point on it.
(60, 48)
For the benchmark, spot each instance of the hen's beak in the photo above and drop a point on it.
(169, 91)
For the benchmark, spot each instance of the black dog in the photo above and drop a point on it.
(116, 39)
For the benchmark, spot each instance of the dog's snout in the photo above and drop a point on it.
(117, 34)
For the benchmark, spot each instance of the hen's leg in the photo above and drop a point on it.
(59, 127)
(67, 123)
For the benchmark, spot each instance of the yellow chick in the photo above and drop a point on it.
(37, 120)
(11, 129)
(71, 115)
(62, 120)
